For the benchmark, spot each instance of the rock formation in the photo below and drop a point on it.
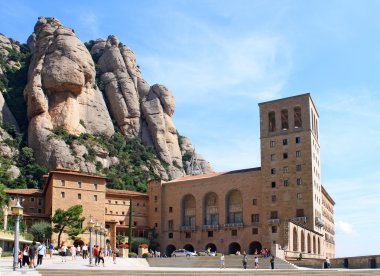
(76, 90)
(61, 93)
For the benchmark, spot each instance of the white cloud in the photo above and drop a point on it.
(345, 228)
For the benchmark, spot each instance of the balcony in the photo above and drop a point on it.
(300, 219)
(207, 227)
(189, 212)
(188, 228)
(274, 221)
(235, 225)
(255, 223)
(319, 222)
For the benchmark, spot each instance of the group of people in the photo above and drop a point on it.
(28, 255)
(245, 260)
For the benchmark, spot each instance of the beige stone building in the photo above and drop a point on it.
(281, 204)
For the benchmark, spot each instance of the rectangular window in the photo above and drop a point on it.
(297, 117)
(298, 140)
(79, 196)
(286, 170)
(272, 171)
(272, 144)
(274, 198)
(286, 182)
(255, 218)
(273, 184)
(170, 235)
(63, 183)
(255, 231)
(300, 213)
(298, 153)
(285, 155)
(32, 199)
(40, 201)
(284, 142)
(170, 209)
(299, 196)
(188, 235)
(299, 181)
(170, 225)
(62, 194)
(95, 186)
(274, 229)
(31, 210)
(284, 119)
(272, 121)
(210, 234)
(298, 168)
(156, 224)
(155, 198)
(274, 215)
(95, 198)
(155, 209)
(39, 211)
(254, 202)
(123, 213)
(234, 233)
(272, 157)
(79, 184)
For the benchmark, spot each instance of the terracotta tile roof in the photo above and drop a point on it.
(326, 194)
(24, 191)
(74, 172)
(123, 193)
(209, 175)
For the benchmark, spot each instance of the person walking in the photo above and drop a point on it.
(41, 249)
(25, 256)
(222, 262)
(328, 263)
(32, 255)
(84, 251)
(63, 252)
(100, 256)
(114, 256)
(73, 252)
(51, 249)
(272, 262)
(256, 262)
(95, 254)
(19, 257)
(245, 260)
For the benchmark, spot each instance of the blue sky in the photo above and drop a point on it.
(221, 58)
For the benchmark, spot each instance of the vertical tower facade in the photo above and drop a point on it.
(290, 164)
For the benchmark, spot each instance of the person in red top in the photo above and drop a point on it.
(95, 252)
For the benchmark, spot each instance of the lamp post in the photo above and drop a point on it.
(105, 237)
(100, 235)
(17, 211)
(97, 228)
(90, 226)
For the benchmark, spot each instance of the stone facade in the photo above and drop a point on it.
(281, 204)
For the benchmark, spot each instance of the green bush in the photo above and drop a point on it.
(145, 255)
(132, 255)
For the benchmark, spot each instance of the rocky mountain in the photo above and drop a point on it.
(86, 106)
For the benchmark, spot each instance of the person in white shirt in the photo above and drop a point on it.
(222, 263)
(63, 252)
(41, 249)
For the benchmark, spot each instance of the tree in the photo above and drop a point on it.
(41, 230)
(69, 221)
(4, 198)
(153, 242)
(120, 239)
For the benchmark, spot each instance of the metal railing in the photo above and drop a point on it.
(300, 219)
(273, 221)
(188, 228)
(210, 227)
(233, 225)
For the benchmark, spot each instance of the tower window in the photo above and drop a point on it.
(63, 183)
(286, 169)
(272, 157)
(272, 171)
(298, 140)
(210, 234)
(273, 184)
(79, 184)
(274, 215)
(299, 196)
(298, 153)
(299, 181)
(274, 198)
(286, 182)
(274, 229)
(284, 142)
(284, 119)
(79, 196)
(272, 121)
(298, 168)
(255, 231)
(62, 194)
(254, 201)
(285, 155)
(297, 117)
(272, 144)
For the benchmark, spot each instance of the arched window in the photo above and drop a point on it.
(272, 121)
(210, 209)
(308, 243)
(302, 241)
(297, 117)
(314, 251)
(295, 239)
(234, 207)
(188, 210)
(319, 246)
(284, 119)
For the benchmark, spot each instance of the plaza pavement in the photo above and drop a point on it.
(138, 266)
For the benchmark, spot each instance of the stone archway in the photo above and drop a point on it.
(314, 245)
(295, 240)
(189, 247)
(233, 248)
(308, 243)
(302, 241)
(211, 246)
(254, 247)
(169, 250)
